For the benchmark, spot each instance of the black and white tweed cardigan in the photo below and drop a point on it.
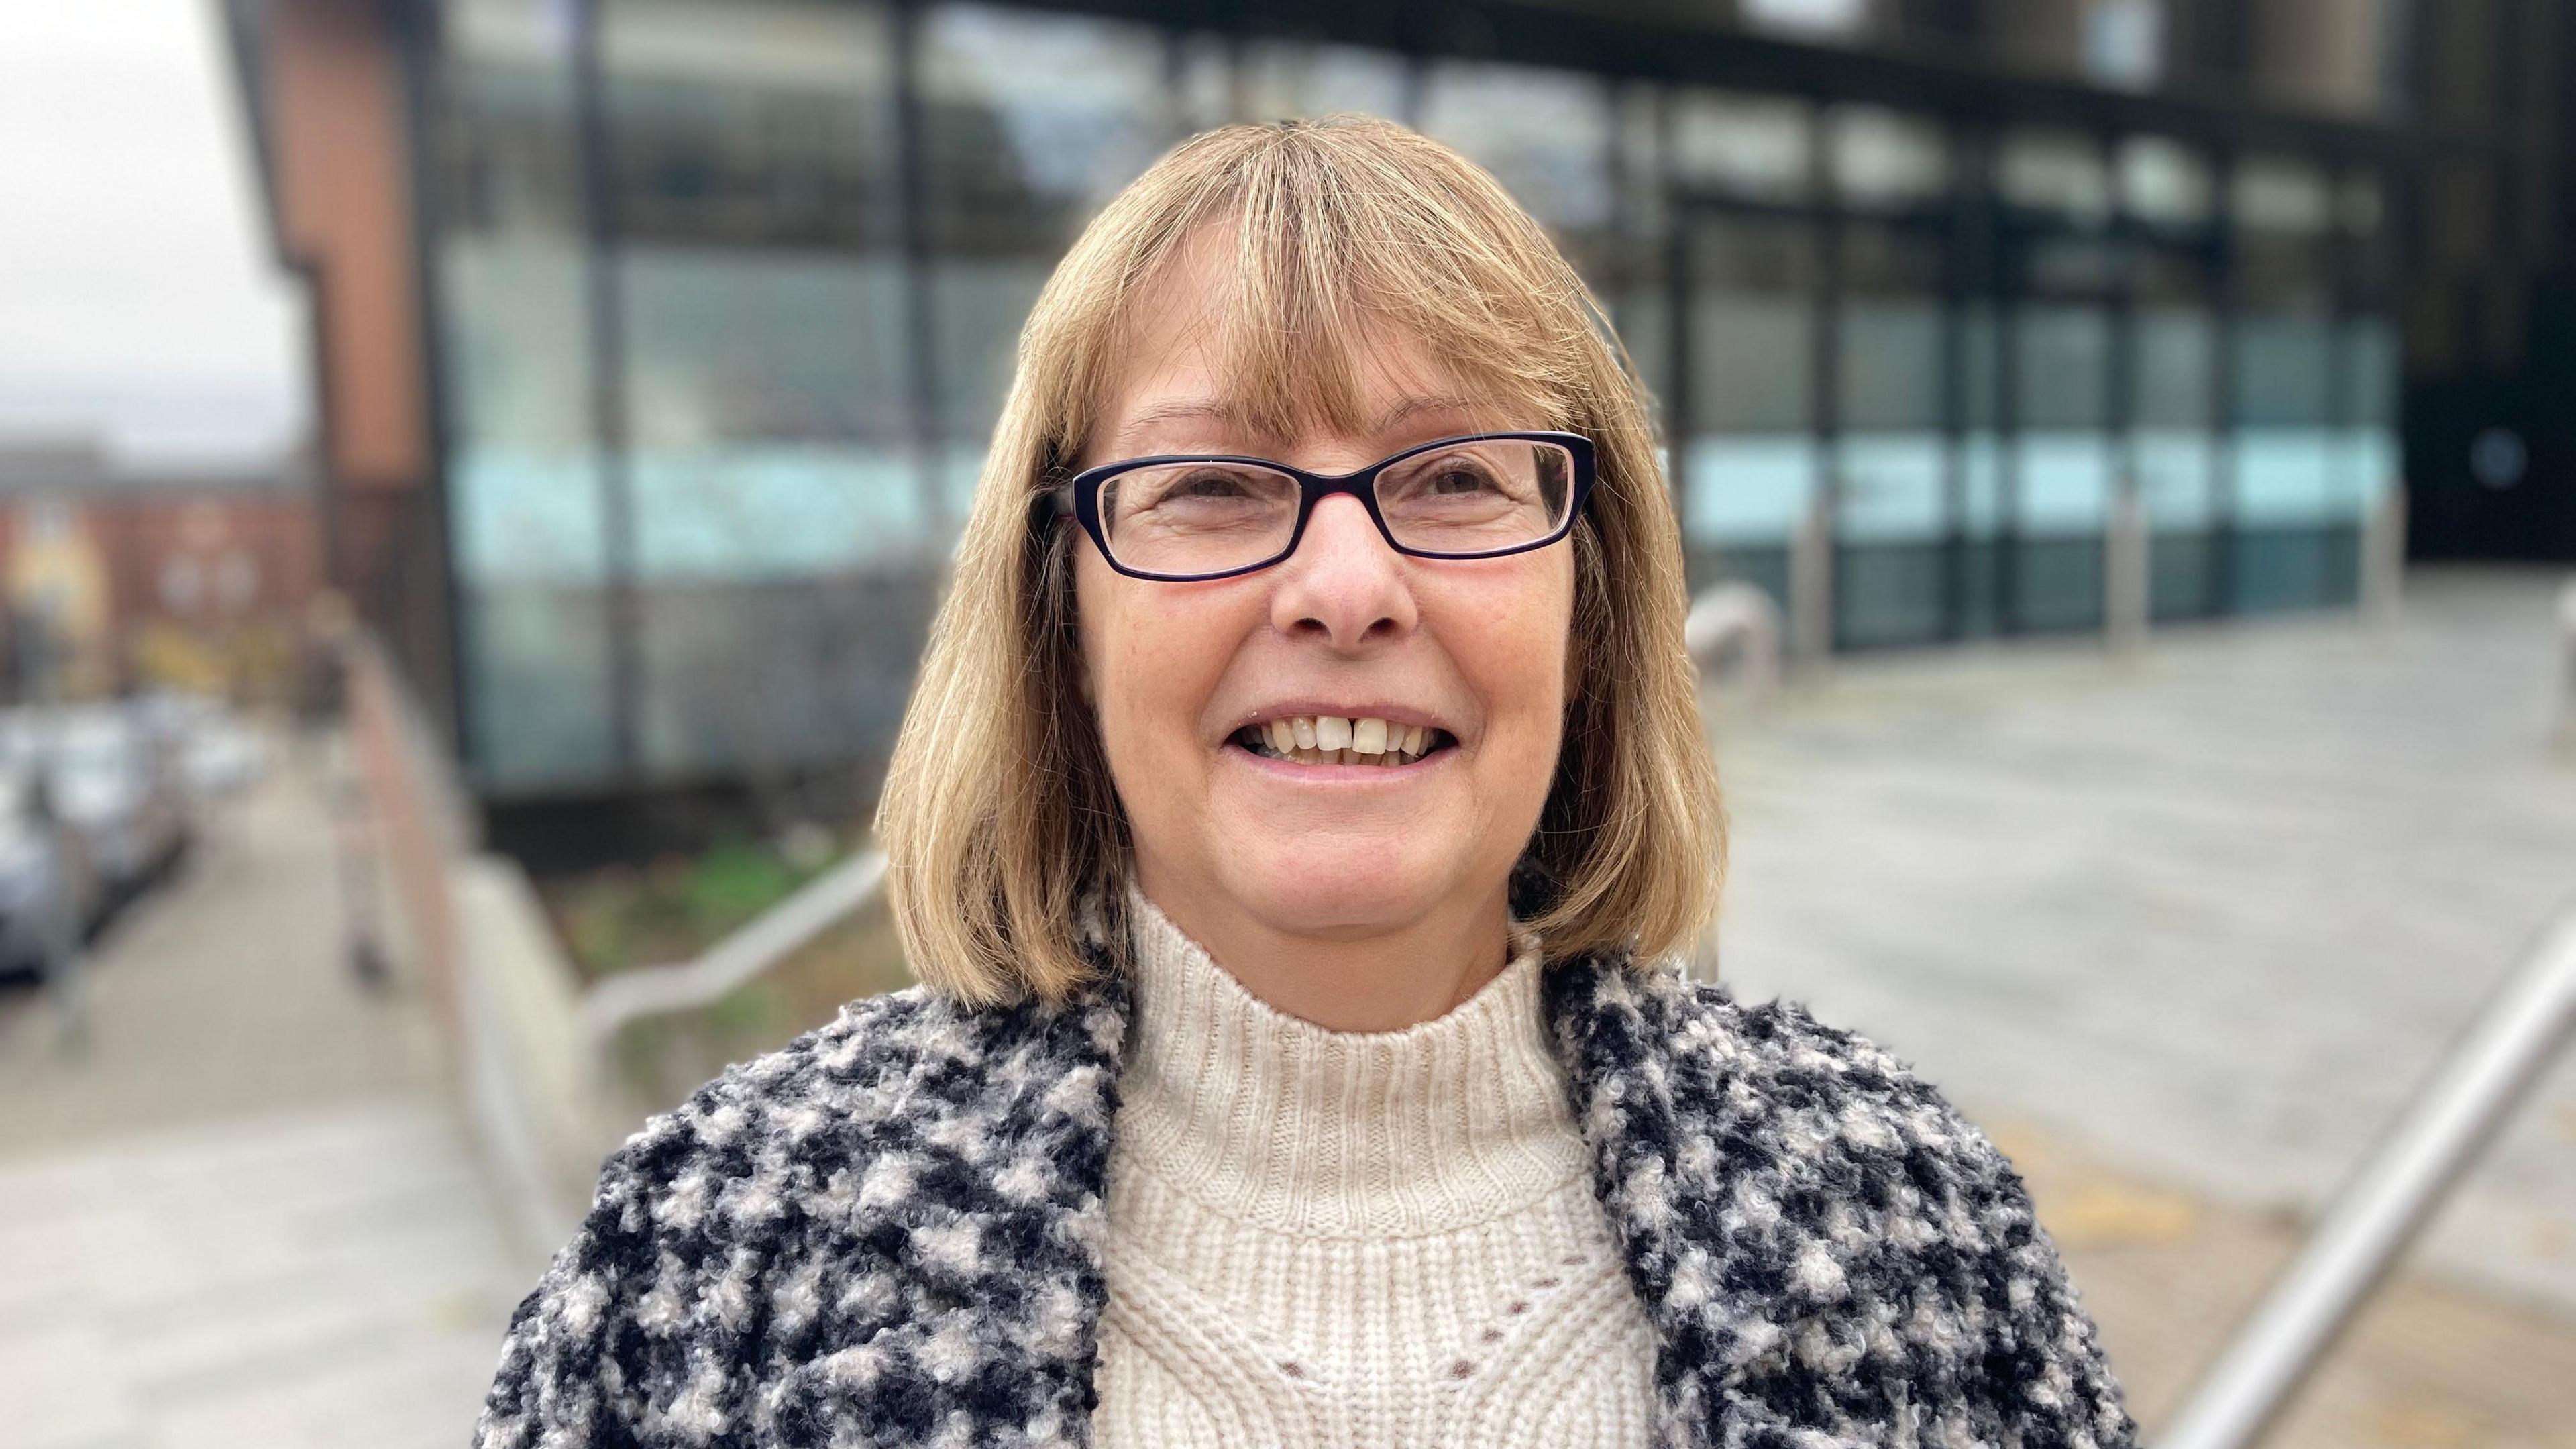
(889, 1232)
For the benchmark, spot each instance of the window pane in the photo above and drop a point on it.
(768, 394)
(1981, 466)
(1201, 89)
(2124, 42)
(2371, 455)
(2361, 204)
(1545, 134)
(2177, 348)
(1756, 147)
(1636, 285)
(2172, 404)
(768, 387)
(527, 502)
(1889, 392)
(2064, 479)
(509, 150)
(1891, 455)
(526, 509)
(2327, 55)
(2290, 499)
(2061, 457)
(1289, 78)
(1883, 158)
(2281, 196)
(1749, 464)
(2283, 379)
(1020, 167)
(2054, 173)
(2164, 182)
(1013, 171)
(1809, 19)
(743, 123)
(2283, 365)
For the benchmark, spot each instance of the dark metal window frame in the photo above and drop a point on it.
(1974, 103)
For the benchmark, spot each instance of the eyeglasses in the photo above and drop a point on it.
(1187, 518)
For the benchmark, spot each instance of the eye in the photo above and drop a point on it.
(1199, 494)
(1459, 476)
(1209, 483)
(1204, 485)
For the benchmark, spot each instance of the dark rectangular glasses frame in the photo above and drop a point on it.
(1080, 495)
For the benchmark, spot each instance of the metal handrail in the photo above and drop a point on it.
(772, 937)
(1740, 615)
(2470, 1095)
(2565, 620)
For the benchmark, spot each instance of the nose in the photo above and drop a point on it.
(1343, 587)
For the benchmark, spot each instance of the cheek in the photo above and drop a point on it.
(1512, 641)
(1531, 636)
(1152, 661)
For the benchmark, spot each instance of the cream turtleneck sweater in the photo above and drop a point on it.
(1346, 1239)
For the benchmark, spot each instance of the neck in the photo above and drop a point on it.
(1347, 979)
(1229, 1105)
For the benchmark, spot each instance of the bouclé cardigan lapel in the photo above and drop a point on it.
(889, 1232)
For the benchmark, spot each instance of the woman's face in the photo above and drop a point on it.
(1185, 676)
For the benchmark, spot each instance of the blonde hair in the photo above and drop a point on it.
(1005, 840)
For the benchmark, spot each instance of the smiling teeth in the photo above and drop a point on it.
(1335, 740)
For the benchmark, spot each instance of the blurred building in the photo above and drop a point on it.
(117, 577)
(660, 338)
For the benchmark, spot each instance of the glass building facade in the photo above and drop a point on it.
(725, 294)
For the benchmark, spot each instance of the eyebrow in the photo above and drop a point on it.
(1234, 416)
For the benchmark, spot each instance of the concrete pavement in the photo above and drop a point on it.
(2207, 913)
(245, 1216)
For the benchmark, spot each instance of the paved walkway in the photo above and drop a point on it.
(244, 1216)
(2208, 914)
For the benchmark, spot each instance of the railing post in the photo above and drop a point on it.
(1811, 587)
(2383, 556)
(1740, 617)
(2125, 584)
(2471, 1093)
(2566, 630)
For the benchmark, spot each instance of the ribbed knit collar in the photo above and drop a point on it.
(1275, 1121)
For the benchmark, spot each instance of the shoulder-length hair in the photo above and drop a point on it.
(1006, 843)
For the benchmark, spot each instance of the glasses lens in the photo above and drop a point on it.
(1197, 517)
(1477, 497)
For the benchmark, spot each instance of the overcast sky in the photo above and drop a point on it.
(138, 299)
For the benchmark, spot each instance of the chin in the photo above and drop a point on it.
(1329, 897)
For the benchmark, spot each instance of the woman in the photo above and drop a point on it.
(1302, 798)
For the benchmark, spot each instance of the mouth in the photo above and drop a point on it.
(1335, 740)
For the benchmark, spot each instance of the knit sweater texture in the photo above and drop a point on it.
(1322, 1239)
(891, 1232)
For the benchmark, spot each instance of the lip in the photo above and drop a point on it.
(1391, 713)
(1340, 777)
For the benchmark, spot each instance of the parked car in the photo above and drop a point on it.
(116, 782)
(49, 890)
(223, 755)
(217, 750)
(21, 737)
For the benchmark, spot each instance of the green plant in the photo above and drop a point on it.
(674, 907)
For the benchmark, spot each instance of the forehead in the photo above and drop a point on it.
(1185, 400)
(1202, 362)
